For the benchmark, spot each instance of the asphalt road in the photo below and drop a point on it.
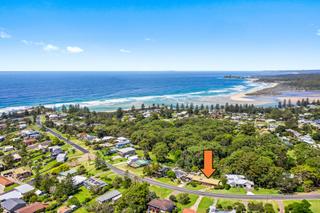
(309, 196)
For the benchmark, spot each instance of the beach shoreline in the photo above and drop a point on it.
(252, 95)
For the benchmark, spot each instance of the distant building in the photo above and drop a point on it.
(157, 205)
(2, 138)
(109, 196)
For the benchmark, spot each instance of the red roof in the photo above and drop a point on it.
(5, 181)
(188, 211)
(32, 208)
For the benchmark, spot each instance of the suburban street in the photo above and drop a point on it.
(308, 196)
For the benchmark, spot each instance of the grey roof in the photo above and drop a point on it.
(108, 196)
(10, 195)
(13, 204)
(69, 172)
(25, 188)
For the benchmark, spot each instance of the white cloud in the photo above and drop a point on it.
(30, 43)
(4, 35)
(50, 47)
(125, 51)
(148, 39)
(318, 32)
(74, 49)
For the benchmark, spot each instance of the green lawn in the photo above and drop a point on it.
(193, 199)
(125, 167)
(236, 190)
(81, 210)
(315, 204)
(225, 203)
(197, 187)
(11, 187)
(167, 181)
(161, 192)
(262, 191)
(204, 204)
(83, 194)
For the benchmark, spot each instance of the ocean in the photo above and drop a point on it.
(104, 91)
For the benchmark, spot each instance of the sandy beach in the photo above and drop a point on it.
(243, 97)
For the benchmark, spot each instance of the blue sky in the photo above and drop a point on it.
(159, 35)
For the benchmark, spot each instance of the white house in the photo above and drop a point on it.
(238, 181)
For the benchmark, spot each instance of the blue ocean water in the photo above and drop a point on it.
(109, 90)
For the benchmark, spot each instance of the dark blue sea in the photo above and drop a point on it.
(110, 90)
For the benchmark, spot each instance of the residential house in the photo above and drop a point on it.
(33, 208)
(29, 141)
(13, 204)
(2, 138)
(139, 163)
(122, 142)
(157, 205)
(107, 138)
(16, 157)
(307, 139)
(61, 158)
(78, 180)
(8, 148)
(10, 195)
(181, 175)
(22, 126)
(21, 173)
(188, 211)
(69, 172)
(109, 196)
(126, 151)
(24, 188)
(55, 151)
(93, 182)
(5, 182)
(238, 181)
(132, 159)
(203, 180)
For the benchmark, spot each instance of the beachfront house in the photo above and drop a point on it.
(109, 196)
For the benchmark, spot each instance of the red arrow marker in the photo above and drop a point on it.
(208, 169)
